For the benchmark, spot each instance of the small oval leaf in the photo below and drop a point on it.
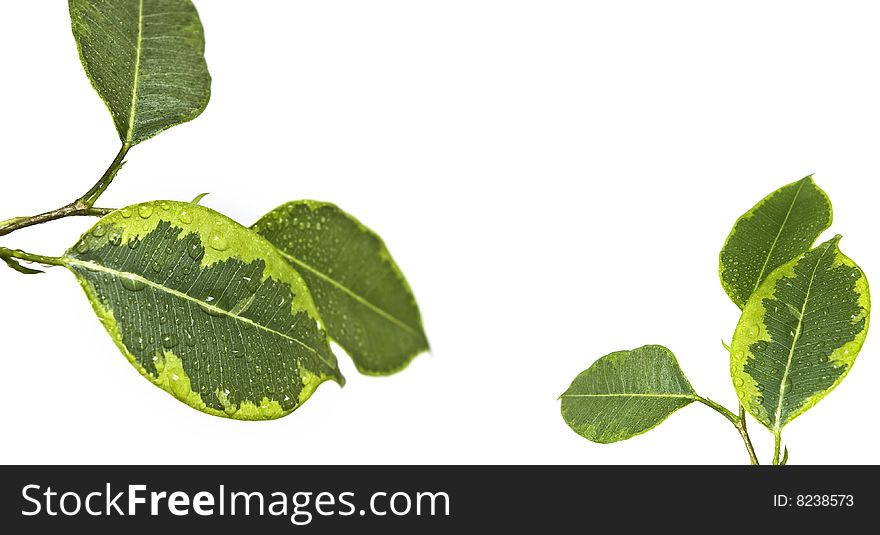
(799, 334)
(146, 61)
(365, 302)
(205, 309)
(780, 227)
(625, 394)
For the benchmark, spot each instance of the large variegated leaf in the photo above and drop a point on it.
(145, 58)
(780, 227)
(205, 309)
(625, 394)
(799, 334)
(364, 300)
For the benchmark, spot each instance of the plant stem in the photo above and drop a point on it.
(777, 443)
(72, 209)
(83, 206)
(739, 422)
(18, 254)
(103, 183)
(744, 433)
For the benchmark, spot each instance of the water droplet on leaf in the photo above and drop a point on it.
(218, 242)
(195, 251)
(133, 284)
(169, 340)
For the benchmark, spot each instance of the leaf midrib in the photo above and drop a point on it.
(778, 234)
(360, 299)
(136, 77)
(134, 276)
(797, 334)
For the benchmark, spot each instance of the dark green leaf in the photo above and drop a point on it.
(780, 227)
(625, 394)
(365, 302)
(145, 58)
(205, 309)
(799, 334)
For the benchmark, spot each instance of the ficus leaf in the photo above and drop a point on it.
(145, 58)
(780, 227)
(799, 334)
(365, 302)
(625, 394)
(205, 309)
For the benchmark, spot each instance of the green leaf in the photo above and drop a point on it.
(625, 394)
(780, 227)
(205, 309)
(365, 302)
(145, 58)
(799, 334)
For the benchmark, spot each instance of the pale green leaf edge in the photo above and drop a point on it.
(170, 365)
(753, 316)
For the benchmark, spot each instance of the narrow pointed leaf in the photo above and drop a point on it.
(16, 265)
(780, 227)
(365, 302)
(205, 309)
(625, 394)
(145, 58)
(799, 334)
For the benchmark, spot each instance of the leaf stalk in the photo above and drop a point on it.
(777, 443)
(83, 206)
(739, 422)
(11, 256)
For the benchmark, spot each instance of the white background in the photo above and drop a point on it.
(555, 179)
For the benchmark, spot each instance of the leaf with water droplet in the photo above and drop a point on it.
(782, 226)
(201, 308)
(365, 302)
(626, 393)
(146, 61)
(800, 353)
